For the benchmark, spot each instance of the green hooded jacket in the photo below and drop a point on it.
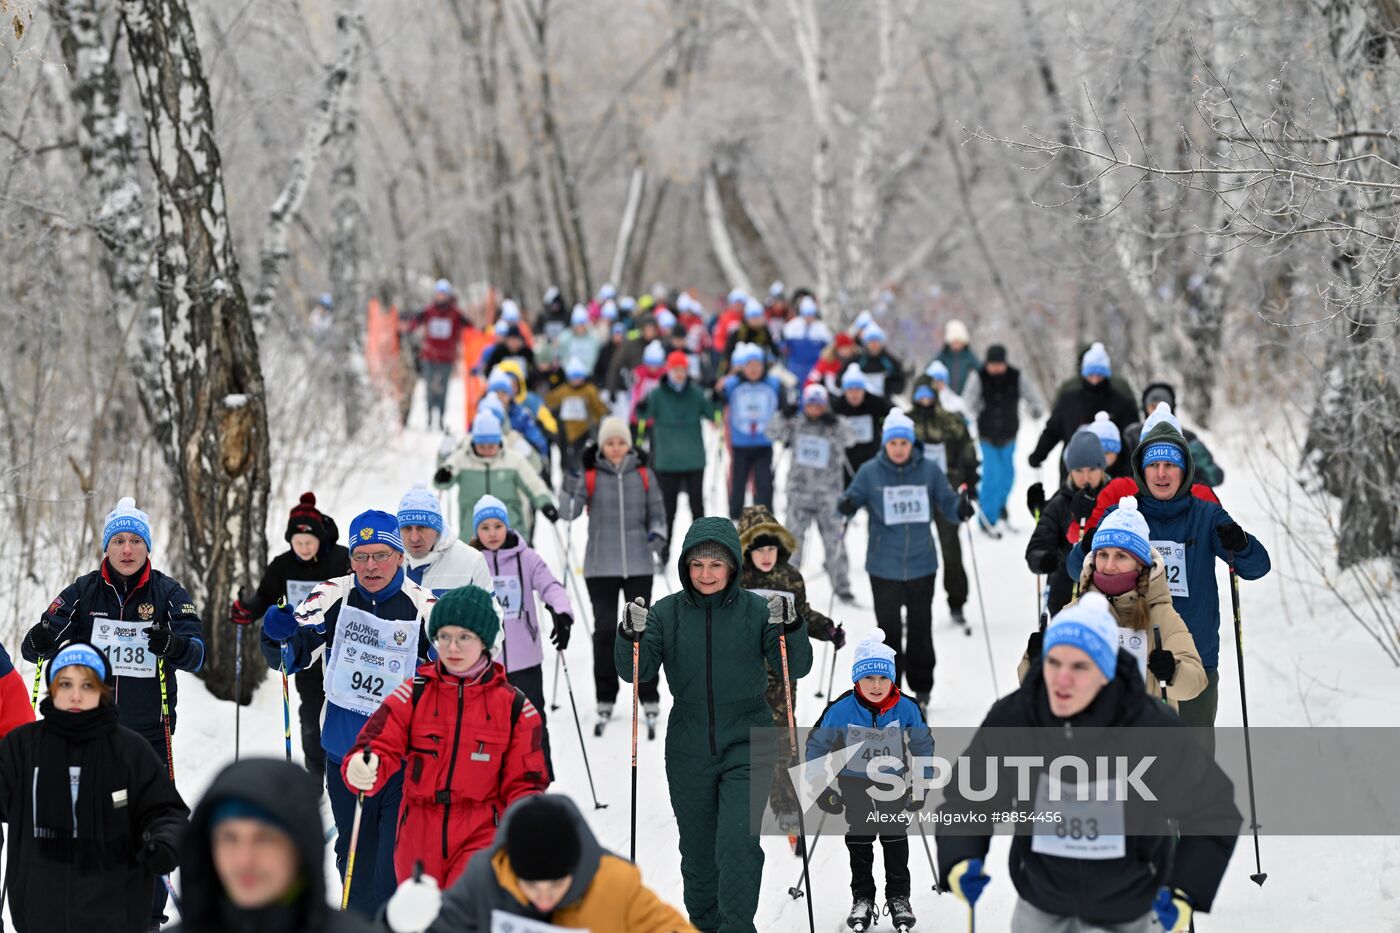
(716, 649)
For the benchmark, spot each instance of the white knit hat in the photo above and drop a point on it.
(873, 656)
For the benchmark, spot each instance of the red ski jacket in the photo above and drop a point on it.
(442, 325)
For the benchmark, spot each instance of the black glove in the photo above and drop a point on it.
(965, 507)
(1086, 543)
(42, 640)
(1232, 537)
(550, 512)
(443, 476)
(563, 625)
(830, 802)
(159, 857)
(162, 641)
(1162, 664)
(837, 637)
(1036, 460)
(971, 489)
(1035, 645)
(1049, 562)
(1082, 505)
(1035, 499)
(846, 507)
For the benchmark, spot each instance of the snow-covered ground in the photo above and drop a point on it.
(1307, 663)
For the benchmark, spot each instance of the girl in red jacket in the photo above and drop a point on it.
(470, 743)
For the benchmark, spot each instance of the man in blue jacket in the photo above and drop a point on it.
(1189, 533)
(371, 626)
(897, 488)
(751, 397)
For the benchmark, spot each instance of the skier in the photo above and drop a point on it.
(1190, 533)
(768, 571)
(884, 374)
(468, 743)
(936, 377)
(572, 883)
(510, 347)
(253, 855)
(518, 416)
(485, 467)
(370, 625)
(1127, 571)
(752, 332)
(993, 395)
(804, 338)
(520, 575)
(673, 415)
(626, 527)
(864, 413)
(716, 642)
(1058, 526)
(315, 555)
(434, 557)
(959, 359)
(1107, 881)
(581, 340)
(1207, 470)
(816, 477)
(94, 819)
(901, 559)
(629, 356)
(1111, 439)
(884, 724)
(835, 359)
(750, 397)
(645, 377)
(442, 323)
(1077, 407)
(947, 443)
(578, 408)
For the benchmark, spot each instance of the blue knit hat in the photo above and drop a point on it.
(489, 507)
(1107, 433)
(420, 507)
(486, 429)
(937, 371)
(574, 369)
(853, 378)
(873, 656)
(375, 527)
(236, 808)
(923, 392)
(897, 426)
(609, 310)
(654, 354)
(499, 382)
(1164, 450)
(80, 653)
(1125, 528)
(578, 316)
(746, 353)
(1090, 626)
(873, 334)
(126, 517)
(1096, 362)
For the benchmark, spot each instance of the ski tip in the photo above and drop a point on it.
(967, 630)
(1259, 878)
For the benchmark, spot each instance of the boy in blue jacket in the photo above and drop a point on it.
(885, 724)
(751, 398)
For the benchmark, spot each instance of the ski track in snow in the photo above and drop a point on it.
(1315, 883)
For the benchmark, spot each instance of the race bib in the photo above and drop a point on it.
(440, 328)
(875, 383)
(1088, 829)
(1135, 643)
(692, 365)
(862, 428)
(502, 922)
(125, 646)
(906, 505)
(812, 452)
(574, 408)
(874, 743)
(509, 595)
(751, 407)
(937, 453)
(1174, 557)
(371, 657)
(298, 590)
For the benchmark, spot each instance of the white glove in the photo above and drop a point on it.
(635, 618)
(414, 906)
(778, 610)
(361, 774)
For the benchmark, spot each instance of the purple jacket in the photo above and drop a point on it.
(520, 574)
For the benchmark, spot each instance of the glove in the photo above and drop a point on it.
(657, 543)
(550, 512)
(837, 637)
(361, 774)
(1082, 505)
(780, 613)
(42, 640)
(1035, 645)
(160, 858)
(965, 507)
(1035, 499)
(162, 641)
(1036, 460)
(1232, 537)
(846, 507)
(238, 613)
(966, 880)
(1173, 909)
(563, 625)
(1086, 543)
(634, 618)
(1162, 664)
(971, 490)
(443, 476)
(279, 622)
(1049, 562)
(415, 905)
(830, 802)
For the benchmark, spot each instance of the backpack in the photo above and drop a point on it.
(590, 480)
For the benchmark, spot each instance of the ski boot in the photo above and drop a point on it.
(921, 700)
(989, 530)
(960, 620)
(605, 711)
(862, 914)
(847, 597)
(901, 914)
(653, 712)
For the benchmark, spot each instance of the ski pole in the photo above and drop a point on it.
(554, 695)
(831, 672)
(38, 678)
(165, 718)
(237, 690)
(170, 889)
(354, 840)
(583, 747)
(826, 657)
(795, 891)
(982, 608)
(569, 576)
(286, 697)
(636, 683)
(1157, 637)
(931, 867)
(792, 747)
(1259, 874)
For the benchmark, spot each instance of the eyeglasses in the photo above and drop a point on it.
(379, 557)
(444, 639)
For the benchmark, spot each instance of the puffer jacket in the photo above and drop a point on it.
(518, 572)
(508, 476)
(901, 551)
(623, 512)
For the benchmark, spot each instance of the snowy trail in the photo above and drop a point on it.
(1301, 668)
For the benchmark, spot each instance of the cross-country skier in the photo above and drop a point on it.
(1057, 529)
(485, 467)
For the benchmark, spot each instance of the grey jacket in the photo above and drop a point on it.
(816, 454)
(624, 512)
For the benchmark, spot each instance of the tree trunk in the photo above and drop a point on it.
(864, 220)
(347, 240)
(627, 227)
(720, 240)
(741, 222)
(807, 30)
(213, 430)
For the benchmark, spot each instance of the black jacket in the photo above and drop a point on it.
(875, 408)
(154, 599)
(332, 560)
(56, 896)
(1049, 537)
(1000, 417)
(1076, 408)
(293, 797)
(1190, 787)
